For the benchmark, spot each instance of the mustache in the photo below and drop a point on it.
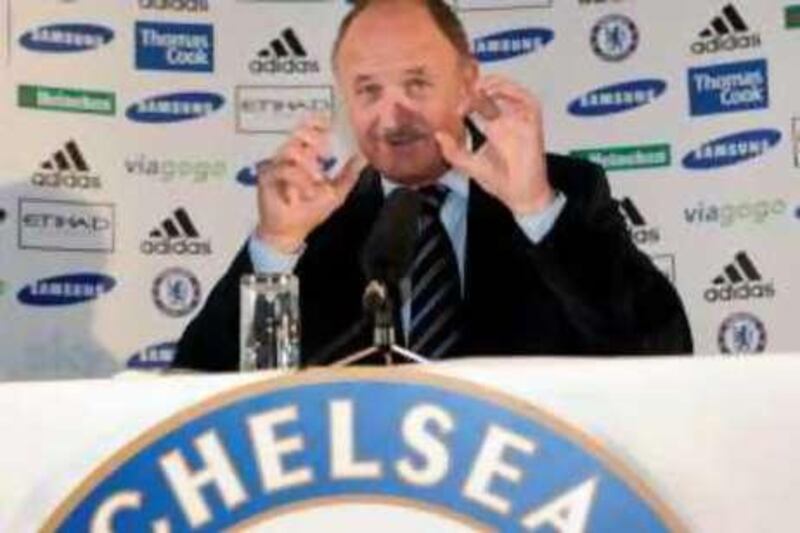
(404, 134)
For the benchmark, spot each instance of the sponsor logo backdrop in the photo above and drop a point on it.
(131, 131)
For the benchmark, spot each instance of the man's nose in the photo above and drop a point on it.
(394, 111)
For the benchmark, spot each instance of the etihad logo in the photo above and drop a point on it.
(69, 100)
(641, 233)
(443, 454)
(620, 158)
(730, 214)
(727, 32)
(729, 87)
(174, 107)
(617, 98)
(732, 149)
(511, 43)
(740, 280)
(177, 47)
(60, 225)
(66, 169)
(69, 289)
(61, 38)
(796, 140)
(176, 235)
(276, 108)
(154, 357)
(197, 171)
(284, 55)
(190, 6)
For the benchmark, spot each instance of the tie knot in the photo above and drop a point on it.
(433, 196)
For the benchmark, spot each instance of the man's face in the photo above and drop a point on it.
(402, 80)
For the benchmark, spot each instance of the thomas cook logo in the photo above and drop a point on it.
(511, 43)
(60, 38)
(175, 107)
(66, 290)
(617, 98)
(440, 449)
(176, 47)
(739, 280)
(732, 149)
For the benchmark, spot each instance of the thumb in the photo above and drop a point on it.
(347, 177)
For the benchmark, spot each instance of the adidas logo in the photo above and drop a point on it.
(284, 55)
(638, 229)
(740, 280)
(66, 168)
(727, 32)
(176, 235)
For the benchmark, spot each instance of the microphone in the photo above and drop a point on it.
(385, 258)
(389, 249)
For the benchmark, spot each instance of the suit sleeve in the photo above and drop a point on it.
(615, 298)
(211, 340)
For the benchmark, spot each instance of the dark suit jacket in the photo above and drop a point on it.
(583, 290)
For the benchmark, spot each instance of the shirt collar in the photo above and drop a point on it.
(457, 182)
(453, 179)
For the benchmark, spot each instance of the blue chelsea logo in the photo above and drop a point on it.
(445, 447)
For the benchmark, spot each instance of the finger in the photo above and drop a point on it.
(297, 183)
(346, 178)
(456, 155)
(305, 159)
(320, 122)
(313, 139)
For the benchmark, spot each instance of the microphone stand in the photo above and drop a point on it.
(378, 305)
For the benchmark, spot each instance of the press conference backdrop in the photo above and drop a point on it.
(130, 131)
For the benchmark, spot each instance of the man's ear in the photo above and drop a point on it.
(470, 73)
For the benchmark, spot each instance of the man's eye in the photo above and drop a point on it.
(369, 91)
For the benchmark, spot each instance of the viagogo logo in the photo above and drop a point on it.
(729, 214)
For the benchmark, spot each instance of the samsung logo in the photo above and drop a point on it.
(66, 38)
(511, 43)
(617, 98)
(247, 176)
(153, 357)
(66, 290)
(732, 149)
(175, 107)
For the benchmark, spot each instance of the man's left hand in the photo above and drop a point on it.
(511, 164)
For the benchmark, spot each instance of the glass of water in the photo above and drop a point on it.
(269, 323)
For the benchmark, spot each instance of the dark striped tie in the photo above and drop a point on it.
(435, 324)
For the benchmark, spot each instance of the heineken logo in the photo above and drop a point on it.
(627, 157)
(68, 100)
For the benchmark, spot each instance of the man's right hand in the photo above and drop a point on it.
(294, 195)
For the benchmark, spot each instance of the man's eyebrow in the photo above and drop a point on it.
(417, 71)
(362, 78)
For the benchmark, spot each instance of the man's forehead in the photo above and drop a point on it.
(375, 37)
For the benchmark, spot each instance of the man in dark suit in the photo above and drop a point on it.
(518, 252)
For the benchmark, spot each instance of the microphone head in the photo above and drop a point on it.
(389, 249)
